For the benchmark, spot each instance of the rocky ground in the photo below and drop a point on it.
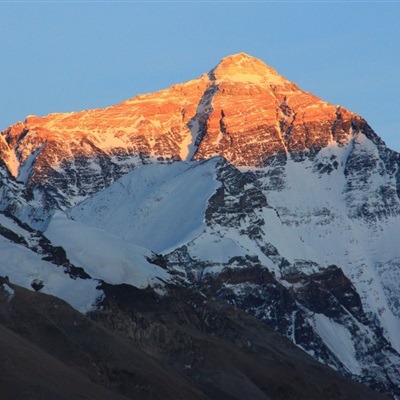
(139, 345)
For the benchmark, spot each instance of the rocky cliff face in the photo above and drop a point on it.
(248, 189)
(242, 110)
(258, 115)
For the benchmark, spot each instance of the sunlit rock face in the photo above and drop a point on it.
(152, 125)
(73, 155)
(258, 114)
(242, 110)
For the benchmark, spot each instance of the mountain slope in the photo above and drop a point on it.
(59, 353)
(50, 351)
(162, 204)
(245, 255)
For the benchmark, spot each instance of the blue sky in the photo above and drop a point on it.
(61, 56)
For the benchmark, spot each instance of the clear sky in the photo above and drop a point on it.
(58, 56)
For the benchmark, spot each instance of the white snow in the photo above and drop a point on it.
(23, 266)
(158, 207)
(103, 255)
(339, 340)
(190, 140)
(285, 240)
(11, 224)
(9, 290)
(204, 107)
(216, 247)
(314, 208)
(26, 168)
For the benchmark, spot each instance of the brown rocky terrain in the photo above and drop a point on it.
(146, 347)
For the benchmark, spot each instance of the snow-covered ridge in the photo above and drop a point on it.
(163, 205)
(30, 270)
(104, 256)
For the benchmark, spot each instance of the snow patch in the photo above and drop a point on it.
(24, 267)
(9, 290)
(339, 340)
(159, 207)
(25, 169)
(102, 255)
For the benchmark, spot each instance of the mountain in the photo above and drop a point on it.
(237, 188)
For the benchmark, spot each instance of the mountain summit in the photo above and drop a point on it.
(233, 192)
(246, 69)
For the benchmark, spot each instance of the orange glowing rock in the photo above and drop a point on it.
(242, 110)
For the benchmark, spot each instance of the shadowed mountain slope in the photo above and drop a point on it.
(160, 349)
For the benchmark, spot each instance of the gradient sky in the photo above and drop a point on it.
(59, 56)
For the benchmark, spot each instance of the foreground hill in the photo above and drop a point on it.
(50, 351)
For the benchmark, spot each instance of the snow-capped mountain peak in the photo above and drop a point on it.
(246, 69)
(237, 185)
